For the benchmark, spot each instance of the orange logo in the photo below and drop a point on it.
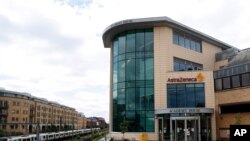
(200, 77)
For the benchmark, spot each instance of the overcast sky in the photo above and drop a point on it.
(53, 48)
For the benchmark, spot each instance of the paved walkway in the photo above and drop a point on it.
(103, 139)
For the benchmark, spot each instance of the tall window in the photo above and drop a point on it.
(187, 41)
(133, 80)
(186, 95)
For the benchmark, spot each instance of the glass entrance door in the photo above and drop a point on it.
(185, 128)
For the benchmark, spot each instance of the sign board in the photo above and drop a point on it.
(199, 78)
(183, 110)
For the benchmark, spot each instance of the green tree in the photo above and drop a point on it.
(124, 127)
(78, 138)
(238, 119)
(2, 133)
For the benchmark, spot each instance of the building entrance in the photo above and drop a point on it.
(185, 128)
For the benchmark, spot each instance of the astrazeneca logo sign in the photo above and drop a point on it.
(199, 78)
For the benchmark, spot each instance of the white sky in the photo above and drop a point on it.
(53, 48)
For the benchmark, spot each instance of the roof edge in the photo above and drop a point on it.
(120, 26)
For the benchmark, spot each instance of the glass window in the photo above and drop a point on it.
(226, 83)
(175, 38)
(176, 66)
(198, 46)
(130, 43)
(133, 80)
(122, 44)
(181, 95)
(121, 57)
(115, 47)
(182, 67)
(190, 92)
(120, 85)
(181, 40)
(130, 99)
(140, 99)
(130, 55)
(245, 79)
(189, 67)
(200, 95)
(235, 81)
(121, 72)
(139, 40)
(130, 69)
(115, 72)
(130, 115)
(218, 84)
(185, 65)
(121, 96)
(185, 95)
(187, 42)
(149, 68)
(192, 44)
(140, 69)
(149, 40)
(150, 124)
(171, 96)
(149, 99)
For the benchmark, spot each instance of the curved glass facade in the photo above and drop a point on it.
(133, 80)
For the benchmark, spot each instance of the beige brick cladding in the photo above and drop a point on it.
(229, 97)
(219, 64)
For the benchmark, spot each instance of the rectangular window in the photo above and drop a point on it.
(187, 41)
(149, 40)
(185, 65)
(181, 40)
(245, 79)
(236, 81)
(185, 95)
(181, 95)
(130, 46)
(139, 40)
(218, 84)
(226, 83)
(175, 38)
(192, 44)
(122, 44)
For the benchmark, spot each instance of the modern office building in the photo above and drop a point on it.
(162, 80)
(20, 113)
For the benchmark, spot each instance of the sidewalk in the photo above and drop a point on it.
(103, 139)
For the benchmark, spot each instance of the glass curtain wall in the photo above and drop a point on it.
(133, 80)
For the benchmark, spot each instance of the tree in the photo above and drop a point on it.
(238, 119)
(124, 127)
(2, 133)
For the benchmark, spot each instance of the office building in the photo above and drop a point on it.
(162, 80)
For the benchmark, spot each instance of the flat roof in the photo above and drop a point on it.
(111, 31)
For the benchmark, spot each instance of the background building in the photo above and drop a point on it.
(232, 90)
(82, 121)
(20, 113)
(162, 79)
(96, 122)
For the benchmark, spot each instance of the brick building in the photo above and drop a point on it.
(20, 113)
